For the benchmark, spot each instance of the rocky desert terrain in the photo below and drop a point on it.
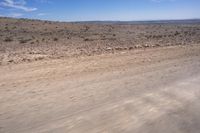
(23, 40)
(99, 78)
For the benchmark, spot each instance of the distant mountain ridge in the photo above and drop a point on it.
(178, 21)
(184, 21)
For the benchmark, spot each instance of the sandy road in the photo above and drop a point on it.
(142, 91)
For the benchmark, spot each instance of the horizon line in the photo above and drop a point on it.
(147, 20)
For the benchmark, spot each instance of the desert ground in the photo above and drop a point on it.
(138, 79)
(23, 40)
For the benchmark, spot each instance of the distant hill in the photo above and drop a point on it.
(186, 21)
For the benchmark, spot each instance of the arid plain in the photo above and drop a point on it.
(96, 77)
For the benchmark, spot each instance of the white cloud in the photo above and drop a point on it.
(20, 4)
(41, 14)
(15, 15)
(44, 1)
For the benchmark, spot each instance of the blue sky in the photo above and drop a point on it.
(86, 10)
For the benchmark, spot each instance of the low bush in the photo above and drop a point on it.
(55, 39)
(8, 39)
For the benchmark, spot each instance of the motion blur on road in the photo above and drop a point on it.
(154, 90)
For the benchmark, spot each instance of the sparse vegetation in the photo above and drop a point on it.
(8, 39)
(24, 40)
(53, 37)
(177, 33)
(86, 39)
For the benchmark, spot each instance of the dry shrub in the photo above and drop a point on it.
(55, 39)
(8, 39)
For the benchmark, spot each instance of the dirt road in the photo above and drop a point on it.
(142, 91)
